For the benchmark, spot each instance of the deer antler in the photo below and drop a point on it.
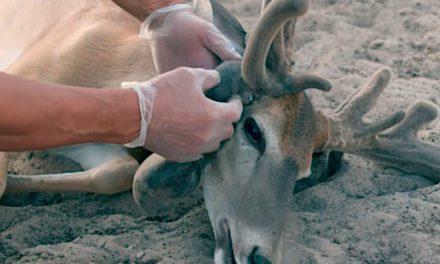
(254, 70)
(280, 57)
(392, 141)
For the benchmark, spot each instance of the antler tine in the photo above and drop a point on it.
(254, 70)
(301, 82)
(418, 115)
(289, 32)
(400, 147)
(280, 57)
(264, 4)
(349, 116)
(392, 141)
(364, 99)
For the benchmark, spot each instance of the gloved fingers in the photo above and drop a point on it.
(231, 110)
(218, 44)
(224, 132)
(228, 132)
(208, 78)
(189, 158)
(209, 148)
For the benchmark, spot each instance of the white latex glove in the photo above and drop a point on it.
(178, 37)
(178, 121)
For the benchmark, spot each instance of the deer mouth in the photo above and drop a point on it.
(224, 251)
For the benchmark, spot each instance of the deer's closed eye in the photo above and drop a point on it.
(254, 134)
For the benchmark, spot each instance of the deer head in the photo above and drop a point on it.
(248, 183)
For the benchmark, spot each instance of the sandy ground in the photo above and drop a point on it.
(364, 214)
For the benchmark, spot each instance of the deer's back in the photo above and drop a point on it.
(83, 43)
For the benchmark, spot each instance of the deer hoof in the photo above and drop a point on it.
(160, 184)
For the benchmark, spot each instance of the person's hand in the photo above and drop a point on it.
(182, 122)
(178, 37)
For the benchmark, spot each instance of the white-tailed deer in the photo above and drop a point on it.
(248, 182)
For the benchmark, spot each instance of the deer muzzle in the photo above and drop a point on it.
(224, 253)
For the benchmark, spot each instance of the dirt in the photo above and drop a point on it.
(365, 213)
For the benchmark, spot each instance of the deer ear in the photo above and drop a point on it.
(160, 184)
(226, 22)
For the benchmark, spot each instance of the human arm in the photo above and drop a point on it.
(37, 115)
(182, 123)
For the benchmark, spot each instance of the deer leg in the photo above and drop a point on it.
(4, 162)
(108, 169)
(324, 165)
(334, 163)
(160, 184)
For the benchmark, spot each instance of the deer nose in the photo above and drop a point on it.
(256, 258)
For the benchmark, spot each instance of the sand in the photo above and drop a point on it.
(365, 213)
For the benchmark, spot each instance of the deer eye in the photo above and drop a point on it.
(253, 133)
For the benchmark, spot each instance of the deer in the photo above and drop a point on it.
(248, 182)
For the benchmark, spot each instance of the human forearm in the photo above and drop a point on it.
(141, 9)
(36, 115)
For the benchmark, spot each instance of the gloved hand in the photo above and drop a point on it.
(178, 37)
(177, 120)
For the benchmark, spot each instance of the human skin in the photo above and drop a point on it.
(37, 115)
(141, 9)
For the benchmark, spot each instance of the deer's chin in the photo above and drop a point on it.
(224, 252)
(243, 247)
(221, 257)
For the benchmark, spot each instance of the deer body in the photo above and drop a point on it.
(71, 43)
